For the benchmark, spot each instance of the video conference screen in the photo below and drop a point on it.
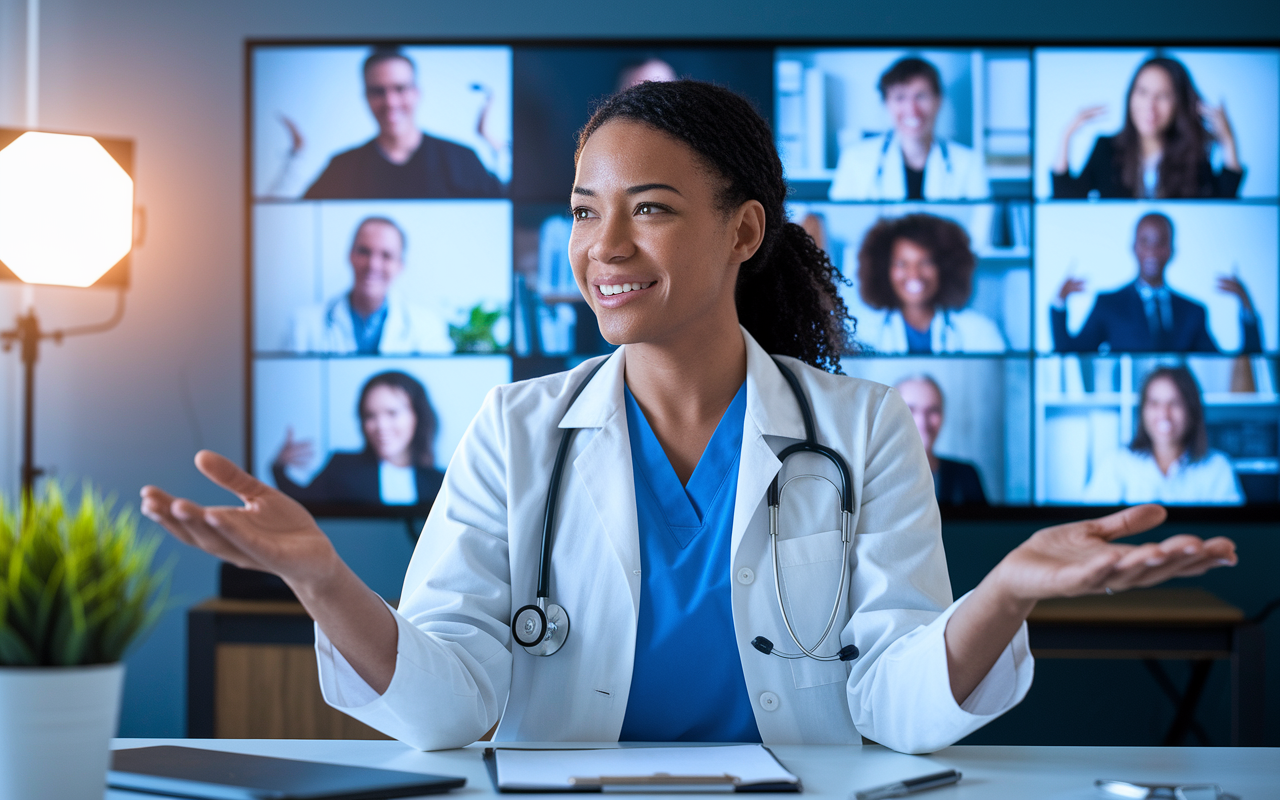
(1064, 259)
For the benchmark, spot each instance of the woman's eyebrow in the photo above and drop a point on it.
(644, 187)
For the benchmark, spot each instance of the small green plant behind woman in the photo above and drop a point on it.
(76, 586)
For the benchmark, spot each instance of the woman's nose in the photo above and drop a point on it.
(612, 240)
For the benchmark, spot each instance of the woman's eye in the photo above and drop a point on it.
(645, 209)
(580, 213)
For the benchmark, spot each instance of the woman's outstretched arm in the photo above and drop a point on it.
(1069, 560)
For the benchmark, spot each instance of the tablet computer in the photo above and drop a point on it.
(215, 775)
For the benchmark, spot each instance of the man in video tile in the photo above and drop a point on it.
(955, 482)
(401, 161)
(371, 318)
(1146, 315)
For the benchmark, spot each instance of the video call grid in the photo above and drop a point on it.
(527, 361)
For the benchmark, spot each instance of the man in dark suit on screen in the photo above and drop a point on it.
(1146, 315)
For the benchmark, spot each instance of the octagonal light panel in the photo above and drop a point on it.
(66, 209)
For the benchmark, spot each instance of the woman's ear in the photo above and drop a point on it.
(748, 227)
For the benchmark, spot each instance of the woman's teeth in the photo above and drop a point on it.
(622, 288)
(914, 287)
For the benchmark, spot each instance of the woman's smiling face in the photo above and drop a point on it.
(913, 274)
(653, 253)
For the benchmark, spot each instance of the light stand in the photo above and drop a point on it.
(76, 191)
(28, 335)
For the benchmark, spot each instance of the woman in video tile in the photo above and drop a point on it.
(1169, 460)
(1163, 149)
(918, 269)
(396, 467)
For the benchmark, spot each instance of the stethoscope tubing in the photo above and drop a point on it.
(543, 641)
(553, 491)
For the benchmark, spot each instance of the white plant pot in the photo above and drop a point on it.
(56, 725)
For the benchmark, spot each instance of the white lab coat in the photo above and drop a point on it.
(327, 328)
(870, 170)
(457, 671)
(951, 331)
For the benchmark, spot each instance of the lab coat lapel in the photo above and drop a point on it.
(339, 331)
(602, 471)
(395, 329)
(771, 411)
(893, 181)
(935, 174)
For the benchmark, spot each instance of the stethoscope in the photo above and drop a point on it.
(884, 153)
(542, 627)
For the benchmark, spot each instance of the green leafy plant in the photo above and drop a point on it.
(477, 334)
(76, 586)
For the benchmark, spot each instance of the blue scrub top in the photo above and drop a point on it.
(687, 683)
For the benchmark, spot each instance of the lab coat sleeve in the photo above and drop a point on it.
(453, 657)
(899, 690)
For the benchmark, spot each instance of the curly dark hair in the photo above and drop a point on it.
(1186, 141)
(947, 243)
(424, 431)
(786, 294)
(1195, 441)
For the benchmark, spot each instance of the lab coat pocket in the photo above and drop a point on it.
(810, 567)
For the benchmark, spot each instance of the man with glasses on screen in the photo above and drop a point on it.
(401, 161)
(1146, 315)
(372, 318)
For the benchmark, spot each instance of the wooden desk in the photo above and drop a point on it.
(831, 772)
(1170, 624)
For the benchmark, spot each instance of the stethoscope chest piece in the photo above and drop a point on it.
(540, 629)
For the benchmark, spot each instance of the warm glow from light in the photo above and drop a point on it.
(66, 209)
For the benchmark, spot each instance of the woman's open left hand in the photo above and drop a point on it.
(1081, 558)
(271, 532)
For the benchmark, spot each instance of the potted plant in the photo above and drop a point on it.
(478, 334)
(76, 589)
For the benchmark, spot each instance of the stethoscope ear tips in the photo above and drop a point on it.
(848, 652)
(762, 644)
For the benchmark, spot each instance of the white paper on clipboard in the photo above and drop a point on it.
(556, 770)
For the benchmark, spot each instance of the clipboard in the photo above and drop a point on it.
(598, 770)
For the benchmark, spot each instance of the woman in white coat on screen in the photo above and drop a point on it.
(661, 552)
(909, 162)
(916, 272)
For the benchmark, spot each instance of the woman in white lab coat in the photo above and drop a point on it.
(916, 271)
(682, 248)
(909, 162)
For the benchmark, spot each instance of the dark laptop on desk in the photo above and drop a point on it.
(216, 775)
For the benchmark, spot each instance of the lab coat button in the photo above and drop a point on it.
(746, 576)
(769, 701)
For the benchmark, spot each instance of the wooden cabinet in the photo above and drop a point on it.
(251, 674)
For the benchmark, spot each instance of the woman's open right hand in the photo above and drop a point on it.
(271, 532)
(1061, 163)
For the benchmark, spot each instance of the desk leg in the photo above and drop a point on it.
(1185, 717)
(201, 655)
(1248, 677)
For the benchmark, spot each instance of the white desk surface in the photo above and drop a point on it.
(833, 771)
